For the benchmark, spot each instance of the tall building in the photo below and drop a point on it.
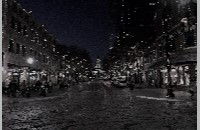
(28, 50)
(175, 35)
(133, 22)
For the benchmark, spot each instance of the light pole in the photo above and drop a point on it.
(29, 61)
(167, 51)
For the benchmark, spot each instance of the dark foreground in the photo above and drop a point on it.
(92, 106)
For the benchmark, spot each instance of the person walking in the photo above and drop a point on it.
(23, 88)
(43, 89)
(50, 86)
(131, 85)
(47, 87)
(12, 88)
(38, 85)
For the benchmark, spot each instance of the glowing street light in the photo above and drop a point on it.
(30, 60)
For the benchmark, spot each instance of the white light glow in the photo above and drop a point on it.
(30, 60)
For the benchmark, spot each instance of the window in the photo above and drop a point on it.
(35, 54)
(39, 57)
(12, 24)
(25, 30)
(11, 46)
(3, 56)
(44, 58)
(19, 27)
(31, 51)
(17, 48)
(190, 39)
(23, 50)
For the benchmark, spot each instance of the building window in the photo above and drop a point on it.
(44, 58)
(11, 46)
(17, 48)
(35, 54)
(39, 57)
(19, 27)
(23, 50)
(25, 30)
(190, 39)
(3, 57)
(31, 51)
(12, 24)
(14, 7)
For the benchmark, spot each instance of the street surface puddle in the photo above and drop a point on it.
(160, 99)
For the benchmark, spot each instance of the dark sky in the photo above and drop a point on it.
(74, 22)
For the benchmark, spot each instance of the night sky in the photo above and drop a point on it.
(87, 23)
(84, 23)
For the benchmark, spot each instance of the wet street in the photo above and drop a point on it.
(92, 106)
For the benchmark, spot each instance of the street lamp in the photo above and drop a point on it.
(30, 60)
(167, 49)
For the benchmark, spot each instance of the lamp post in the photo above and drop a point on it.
(29, 61)
(167, 52)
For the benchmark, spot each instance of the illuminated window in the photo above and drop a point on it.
(19, 27)
(23, 50)
(17, 48)
(25, 30)
(11, 46)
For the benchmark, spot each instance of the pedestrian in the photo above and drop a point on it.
(38, 85)
(47, 87)
(61, 86)
(131, 85)
(23, 88)
(12, 88)
(43, 90)
(50, 86)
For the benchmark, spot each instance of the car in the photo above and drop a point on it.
(114, 81)
(122, 82)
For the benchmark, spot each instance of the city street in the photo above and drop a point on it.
(92, 105)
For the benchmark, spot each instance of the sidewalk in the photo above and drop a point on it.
(142, 90)
(161, 93)
(35, 95)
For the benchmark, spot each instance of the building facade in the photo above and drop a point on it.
(176, 35)
(28, 50)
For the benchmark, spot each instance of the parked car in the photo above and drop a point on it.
(122, 82)
(114, 81)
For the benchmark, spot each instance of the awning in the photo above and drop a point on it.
(187, 56)
(158, 64)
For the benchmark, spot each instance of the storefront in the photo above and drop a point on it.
(182, 74)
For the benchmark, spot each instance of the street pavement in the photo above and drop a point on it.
(94, 106)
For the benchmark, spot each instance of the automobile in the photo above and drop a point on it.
(114, 81)
(122, 82)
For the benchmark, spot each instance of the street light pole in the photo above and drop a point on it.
(29, 61)
(167, 49)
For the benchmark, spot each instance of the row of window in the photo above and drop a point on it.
(176, 44)
(21, 49)
(23, 29)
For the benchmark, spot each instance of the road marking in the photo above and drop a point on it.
(160, 99)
